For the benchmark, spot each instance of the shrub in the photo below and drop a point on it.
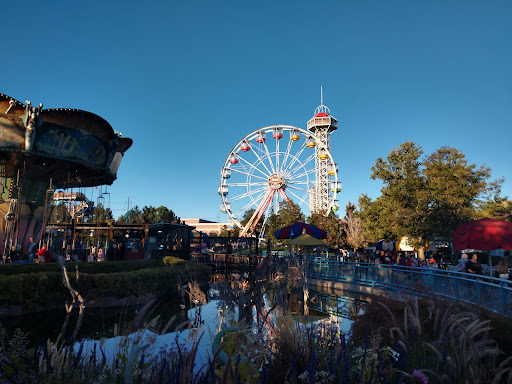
(96, 280)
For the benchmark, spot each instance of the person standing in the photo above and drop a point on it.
(31, 250)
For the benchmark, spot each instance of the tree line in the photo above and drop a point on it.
(428, 197)
(422, 197)
(147, 214)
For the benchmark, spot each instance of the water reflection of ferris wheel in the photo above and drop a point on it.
(272, 165)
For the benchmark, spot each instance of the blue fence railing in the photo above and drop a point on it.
(489, 292)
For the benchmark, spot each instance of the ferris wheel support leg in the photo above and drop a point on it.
(285, 196)
(251, 225)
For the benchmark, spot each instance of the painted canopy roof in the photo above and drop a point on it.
(297, 229)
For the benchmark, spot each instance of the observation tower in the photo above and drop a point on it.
(278, 164)
(322, 124)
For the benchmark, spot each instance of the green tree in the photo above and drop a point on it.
(374, 218)
(161, 214)
(404, 199)
(133, 216)
(494, 205)
(423, 199)
(289, 213)
(248, 216)
(330, 224)
(225, 231)
(453, 188)
(60, 213)
(101, 214)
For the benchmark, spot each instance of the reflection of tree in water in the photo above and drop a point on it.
(267, 286)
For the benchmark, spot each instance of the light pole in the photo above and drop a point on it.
(327, 249)
(339, 234)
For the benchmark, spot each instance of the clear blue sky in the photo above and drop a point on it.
(186, 80)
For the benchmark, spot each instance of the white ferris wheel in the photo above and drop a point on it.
(274, 164)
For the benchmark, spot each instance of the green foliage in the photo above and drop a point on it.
(60, 213)
(248, 216)
(422, 199)
(404, 195)
(133, 216)
(501, 210)
(107, 279)
(494, 205)
(229, 232)
(150, 215)
(102, 214)
(330, 224)
(289, 213)
(84, 267)
(453, 188)
(161, 214)
(32, 289)
(374, 219)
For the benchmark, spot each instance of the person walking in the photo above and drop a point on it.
(31, 250)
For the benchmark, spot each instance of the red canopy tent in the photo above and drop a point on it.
(485, 234)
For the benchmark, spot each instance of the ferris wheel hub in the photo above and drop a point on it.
(276, 181)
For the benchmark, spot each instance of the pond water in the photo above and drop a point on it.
(205, 321)
(112, 330)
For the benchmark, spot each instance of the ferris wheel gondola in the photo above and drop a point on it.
(269, 166)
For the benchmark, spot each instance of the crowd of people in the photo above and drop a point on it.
(436, 260)
(42, 253)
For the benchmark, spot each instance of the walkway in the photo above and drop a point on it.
(488, 292)
(492, 293)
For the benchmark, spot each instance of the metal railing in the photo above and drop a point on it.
(489, 292)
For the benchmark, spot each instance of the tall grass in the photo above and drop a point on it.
(415, 342)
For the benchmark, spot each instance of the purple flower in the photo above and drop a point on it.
(419, 377)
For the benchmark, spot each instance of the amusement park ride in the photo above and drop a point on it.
(281, 163)
(43, 149)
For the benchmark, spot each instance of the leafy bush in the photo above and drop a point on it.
(32, 288)
(84, 267)
(96, 280)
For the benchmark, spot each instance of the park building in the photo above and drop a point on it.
(206, 226)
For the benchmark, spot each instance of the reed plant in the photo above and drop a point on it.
(414, 342)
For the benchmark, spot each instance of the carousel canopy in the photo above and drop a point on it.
(297, 229)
